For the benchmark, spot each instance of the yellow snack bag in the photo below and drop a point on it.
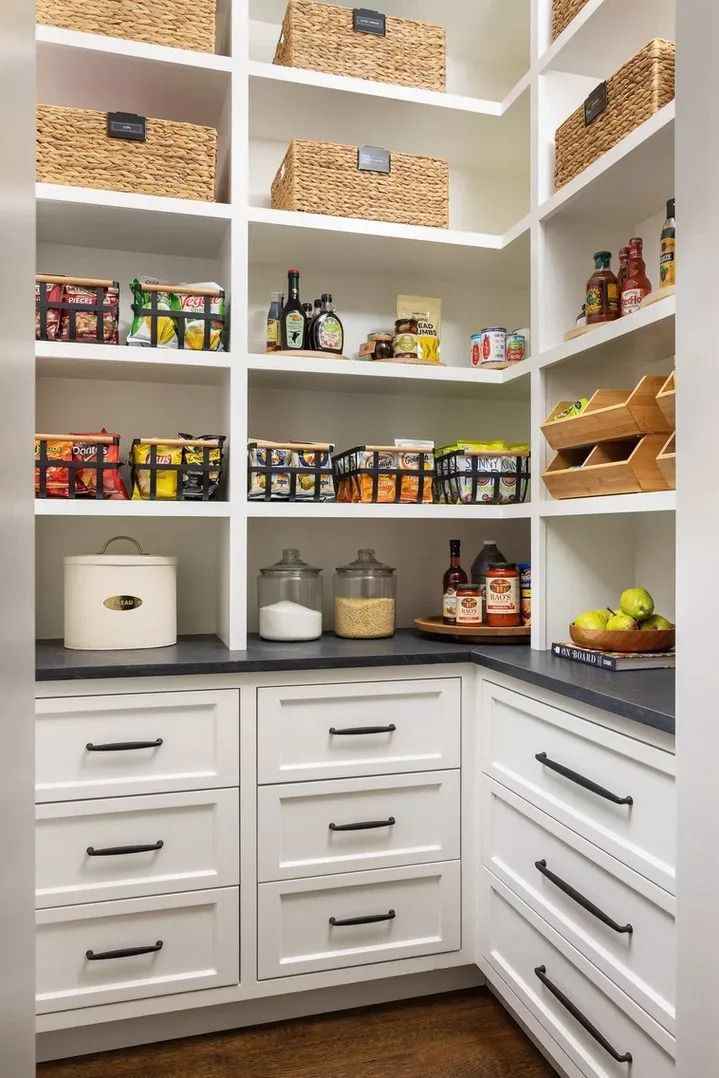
(166, 480)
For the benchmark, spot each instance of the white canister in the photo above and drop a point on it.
(120, 601)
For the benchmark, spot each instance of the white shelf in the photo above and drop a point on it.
(382, 511)
(89, 507)
(80, 44)
(87, 217)
(107, 362)
(649, 333)
(605, 34)
(660, 501)
(627, 183)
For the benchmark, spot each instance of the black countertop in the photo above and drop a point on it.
(647, 696)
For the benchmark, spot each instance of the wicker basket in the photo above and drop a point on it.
(183, 24)
(176, 160)
(563, 11)
(324, 177)
(639, 89)
(322, 37)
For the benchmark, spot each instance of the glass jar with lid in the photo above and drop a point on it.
(365, 594)
(290, 599)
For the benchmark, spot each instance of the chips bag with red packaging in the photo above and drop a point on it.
(56, 476)
(85, 320)
(53, 293)
(86, 479)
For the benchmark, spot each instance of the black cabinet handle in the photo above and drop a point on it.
(368, 825)
(116, 851)
(370, 919)
(125, 952)
(579, 898)
(580, 780)
(625, 1057)
(364, 730)
(123, 746)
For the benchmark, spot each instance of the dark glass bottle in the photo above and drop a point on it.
(489, 555)
(453, 577)
(307, 308)
(623, 262)
(329, 334)
(317, 311)
(668, 257)
(293, 316)
(273, 338)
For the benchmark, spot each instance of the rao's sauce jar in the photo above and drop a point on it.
(502, 596)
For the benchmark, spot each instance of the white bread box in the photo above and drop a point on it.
(120, 601)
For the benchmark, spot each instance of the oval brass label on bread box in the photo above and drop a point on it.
(122, 602)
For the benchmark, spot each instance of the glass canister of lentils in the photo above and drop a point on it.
(502, 596)
(365, 598)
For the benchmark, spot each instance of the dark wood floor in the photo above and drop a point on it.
(459, 1035)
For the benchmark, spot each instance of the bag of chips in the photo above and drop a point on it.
(56, 476)
(89, 453)
(270, 459)
(166, 479)
(195, 470)
(177, 315)
(141, 329)
(51, 293)
(85, 328)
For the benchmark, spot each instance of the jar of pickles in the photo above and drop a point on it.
(365, 594)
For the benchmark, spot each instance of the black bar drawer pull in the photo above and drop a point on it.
(364, 730)
(124, 746)
(370, 919)
(580, 780)
(579, 898)
(125, 952)
(626, 1057)
(368, 825)
(116, 851)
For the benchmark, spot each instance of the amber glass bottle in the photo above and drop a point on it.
(453, 577)
(602, 291)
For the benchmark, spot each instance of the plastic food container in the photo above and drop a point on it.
(120, 601)
(290, 599)
(365, 593)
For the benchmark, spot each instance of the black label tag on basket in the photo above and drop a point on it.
(373, 159)
(127, 125)
(595, 104)
(369, 22)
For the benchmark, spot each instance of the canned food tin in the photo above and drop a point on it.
(491, 347)
(516, 347)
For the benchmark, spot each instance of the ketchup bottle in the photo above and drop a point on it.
(636, 284)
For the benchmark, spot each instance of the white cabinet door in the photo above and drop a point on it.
(316, 828)
(108, 952)
(578, 890)
(618, 792)
(542, 972)
(105, 746)
(88, 851)
(351, 920)
(370, 728)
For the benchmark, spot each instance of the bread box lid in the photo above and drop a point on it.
(139, 560)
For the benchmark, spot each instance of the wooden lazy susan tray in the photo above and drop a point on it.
(482, 634)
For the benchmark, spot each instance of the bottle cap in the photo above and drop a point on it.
(671, 207)
(294, 271)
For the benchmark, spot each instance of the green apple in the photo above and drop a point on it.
(636, 603)
(592, 619)
(620, 622)
(656, 621)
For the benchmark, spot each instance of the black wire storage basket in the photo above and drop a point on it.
(290, 471)
(178, 469)
(482, 476)
(382, 473)
(157, 311)
(65, 469)
(76, 309)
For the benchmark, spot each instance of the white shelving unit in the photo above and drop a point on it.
(516, 253)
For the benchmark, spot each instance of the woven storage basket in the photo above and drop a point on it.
(176, 160)
(183, 24)
(321, 37)
(563, 11)
(323, 177)
(639, 89)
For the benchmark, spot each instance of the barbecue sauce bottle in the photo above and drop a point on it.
(602, 291)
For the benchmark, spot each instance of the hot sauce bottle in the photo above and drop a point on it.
(636, 285)
(602, 291)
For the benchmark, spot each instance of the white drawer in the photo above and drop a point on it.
(525, 741)
(87, 851)
(198, 933)
(522, 950)
(87, 746)
(300, 927)
(522, 845)
(315, 828)
(370, 728)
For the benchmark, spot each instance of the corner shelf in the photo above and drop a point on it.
(651, 329)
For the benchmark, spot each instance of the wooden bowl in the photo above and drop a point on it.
(628, 640)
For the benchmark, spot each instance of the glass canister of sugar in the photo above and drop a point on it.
(290, 599)
(365, 594)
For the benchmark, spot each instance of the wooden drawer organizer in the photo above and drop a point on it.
(666, 399)
(615, 445)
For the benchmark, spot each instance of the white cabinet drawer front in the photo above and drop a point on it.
(401, 913)
(157, 741)
(88, 851)
(523, 955)
(316, 828)
(183, 943)
(370, 728)
(630, 812)
(523, 846)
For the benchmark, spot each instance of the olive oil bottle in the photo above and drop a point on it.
(294, 320)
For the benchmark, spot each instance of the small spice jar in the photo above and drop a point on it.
(502, 596)
(383, 344)
(469, 604)
(365, 594)
(406, 338)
